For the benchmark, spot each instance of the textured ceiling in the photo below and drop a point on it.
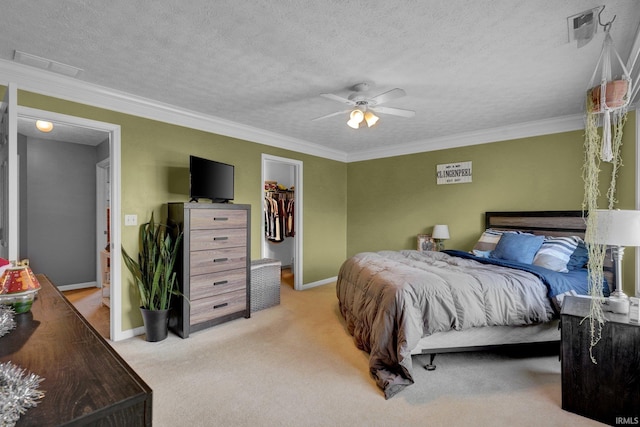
(465, 65)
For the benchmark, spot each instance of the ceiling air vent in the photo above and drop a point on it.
(583, 26)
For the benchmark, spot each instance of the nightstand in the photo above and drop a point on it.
(608, 391)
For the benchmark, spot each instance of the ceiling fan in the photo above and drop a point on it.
(363, 107)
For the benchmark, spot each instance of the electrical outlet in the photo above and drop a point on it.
(131, 220)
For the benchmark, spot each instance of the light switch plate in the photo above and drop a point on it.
(131, 220)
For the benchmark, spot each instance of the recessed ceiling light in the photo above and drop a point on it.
(44, 126)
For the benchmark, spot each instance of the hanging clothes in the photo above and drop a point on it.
(279, 215)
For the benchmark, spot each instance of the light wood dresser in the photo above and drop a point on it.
(214, 267)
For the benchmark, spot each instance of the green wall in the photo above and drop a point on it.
(154, 171)
(391, 200)
(361, 206)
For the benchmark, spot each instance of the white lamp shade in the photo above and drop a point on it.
(355, 118)
(440, 231)
(370, 118)
(357, 115)
(353, 124)
(616, 228)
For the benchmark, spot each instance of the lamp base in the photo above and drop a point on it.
(618, 302)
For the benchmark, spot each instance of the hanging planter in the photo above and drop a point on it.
(606, 106)
(616, 96)
(609, 99)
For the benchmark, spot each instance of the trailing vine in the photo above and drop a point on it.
(591, 173)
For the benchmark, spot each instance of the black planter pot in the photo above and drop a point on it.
(155, 324)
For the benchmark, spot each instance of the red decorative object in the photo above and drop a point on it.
(18, 287)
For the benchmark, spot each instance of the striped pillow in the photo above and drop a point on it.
(490, 238)
(555, 253)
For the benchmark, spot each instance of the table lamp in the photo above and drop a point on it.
(440, 233)
(617, 228)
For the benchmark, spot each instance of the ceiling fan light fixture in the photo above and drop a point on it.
(357, 115)
(355, 118)
(371, 118)
(353, 124)
(44, 126)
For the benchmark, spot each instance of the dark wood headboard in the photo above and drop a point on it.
(548, 223)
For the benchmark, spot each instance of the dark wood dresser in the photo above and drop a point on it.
(85, 381)
(608, 391)
(214, 267)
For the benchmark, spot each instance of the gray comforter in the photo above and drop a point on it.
(392, 299)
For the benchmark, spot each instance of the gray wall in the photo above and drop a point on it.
(61, 210)
(102, 150)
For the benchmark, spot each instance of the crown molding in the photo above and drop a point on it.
(71, 89)
(58, 86)
(503, 133)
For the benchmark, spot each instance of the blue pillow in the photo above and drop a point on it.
(520, 248)
(578, 258)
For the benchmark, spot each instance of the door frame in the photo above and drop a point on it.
(297, 212)
(10, 192)
(113, 130)
(101, 217)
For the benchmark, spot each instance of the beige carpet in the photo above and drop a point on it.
(295, 365)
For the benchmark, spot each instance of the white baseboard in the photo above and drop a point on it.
(319, 282)
(78, 286)
(128, 333)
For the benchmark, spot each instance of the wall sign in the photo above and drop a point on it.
(453, 173)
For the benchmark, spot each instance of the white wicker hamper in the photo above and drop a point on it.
(265, 283)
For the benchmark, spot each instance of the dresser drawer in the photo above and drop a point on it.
(207, 219)
(211, 308)
(200, 240)
(216, 260)
(208, 285)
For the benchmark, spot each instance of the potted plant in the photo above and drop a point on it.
(154, 276)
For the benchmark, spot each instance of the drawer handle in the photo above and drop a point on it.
(220, 259)
(220, 305)
(220, 238)
(222, 282)
(221, 218)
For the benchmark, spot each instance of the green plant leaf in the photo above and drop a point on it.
(153, 272)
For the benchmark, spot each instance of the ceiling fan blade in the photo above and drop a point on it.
(388, 96)
(330, 115)
(337, 98)
(394, 111)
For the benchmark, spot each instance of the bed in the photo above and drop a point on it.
(397, 304)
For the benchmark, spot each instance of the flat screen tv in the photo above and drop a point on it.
(209, 179)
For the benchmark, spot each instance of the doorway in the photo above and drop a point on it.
(75, 130)
(283, 178)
